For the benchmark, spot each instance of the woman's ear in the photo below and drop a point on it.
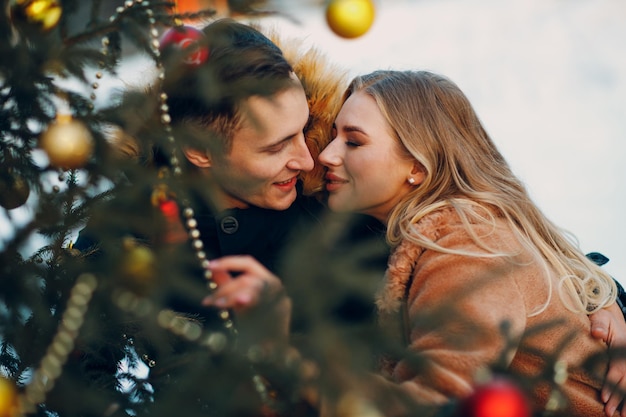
(418, 173)
(199, 158)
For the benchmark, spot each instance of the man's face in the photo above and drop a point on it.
(268, 153)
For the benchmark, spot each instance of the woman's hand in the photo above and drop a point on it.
(253, 293)
(609, 326)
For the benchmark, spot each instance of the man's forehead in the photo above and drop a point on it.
(276, 116)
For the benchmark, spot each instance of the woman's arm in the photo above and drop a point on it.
(465, 314)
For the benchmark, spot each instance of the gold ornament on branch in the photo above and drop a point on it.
(43, 13)
(350, 18)
(9, 401)
(14, 190)
(67, 142)
(138, 267)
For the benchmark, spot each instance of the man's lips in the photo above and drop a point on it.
(287, 184)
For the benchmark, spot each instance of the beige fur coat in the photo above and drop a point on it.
(449, 310)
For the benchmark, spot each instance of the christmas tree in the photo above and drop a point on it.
(81, 329)
(92, 332)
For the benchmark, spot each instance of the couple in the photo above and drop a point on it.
(408, 150)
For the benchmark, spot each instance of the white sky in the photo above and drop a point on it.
(547, 78)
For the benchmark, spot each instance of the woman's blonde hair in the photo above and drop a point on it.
(436, 125)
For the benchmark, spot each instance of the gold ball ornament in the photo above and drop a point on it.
(138, 267)
(9, 403)
(43, 13)
(14, 191)
(350, 18)
(67, 142)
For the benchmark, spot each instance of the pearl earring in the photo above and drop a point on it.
(411, 180)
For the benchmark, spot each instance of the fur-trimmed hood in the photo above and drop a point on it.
(324, 83)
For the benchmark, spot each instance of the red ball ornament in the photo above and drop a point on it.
(174, 230)
(498, 398)
(169, 208)
(186, 37)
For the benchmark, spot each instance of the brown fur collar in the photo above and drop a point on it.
(324, 84)
(403, 260)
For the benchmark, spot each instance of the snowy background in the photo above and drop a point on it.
(547, 78)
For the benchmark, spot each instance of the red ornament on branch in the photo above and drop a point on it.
(187, 38)
(498, 398)
(174, 230)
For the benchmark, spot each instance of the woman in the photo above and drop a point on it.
(409, 150)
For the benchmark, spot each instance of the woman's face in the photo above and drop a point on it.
(366, 171)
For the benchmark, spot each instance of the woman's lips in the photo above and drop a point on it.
(334, 182)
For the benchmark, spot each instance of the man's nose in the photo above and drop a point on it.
(302, 160)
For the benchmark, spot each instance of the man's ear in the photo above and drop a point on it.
(199, 158)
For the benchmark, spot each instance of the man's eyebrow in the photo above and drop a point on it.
(279, 141)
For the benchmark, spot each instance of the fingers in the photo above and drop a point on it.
(244, 264)
(613, 392)
(253, 285)
(609, 326)
(240, 294)
(220, 276)
(600, 322)
(614, 386)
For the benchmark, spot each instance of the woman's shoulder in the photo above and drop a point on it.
(445, 230)
(447, 220)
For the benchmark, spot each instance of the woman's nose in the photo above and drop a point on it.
(329, 156)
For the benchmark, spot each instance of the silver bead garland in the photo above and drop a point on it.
(215, 342)
(50, 367)
(190, 222)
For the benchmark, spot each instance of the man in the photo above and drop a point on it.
(239, 119)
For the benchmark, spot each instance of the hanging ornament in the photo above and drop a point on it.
(14, 190)
(350, 18)
(67, 142)
(186, 37)
(42, 13)
(138, 267)
(499, 397)
(8, 398)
